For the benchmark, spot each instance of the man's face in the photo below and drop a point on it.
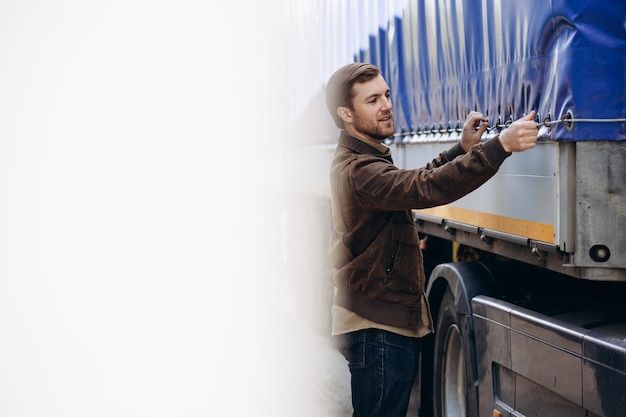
(371, 116)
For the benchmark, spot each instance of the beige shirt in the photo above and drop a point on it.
(346, 321)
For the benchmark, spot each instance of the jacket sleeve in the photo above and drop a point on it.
(381, 186)
(447, 156)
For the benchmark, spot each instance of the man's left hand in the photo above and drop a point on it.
(475, 125)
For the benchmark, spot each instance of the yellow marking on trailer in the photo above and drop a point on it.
(533, 230)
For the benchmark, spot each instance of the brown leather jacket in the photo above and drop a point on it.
(375, 256)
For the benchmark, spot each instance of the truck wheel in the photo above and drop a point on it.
(450, 367)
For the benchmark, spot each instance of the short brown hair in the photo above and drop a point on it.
(339, 89)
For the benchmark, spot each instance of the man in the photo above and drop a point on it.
(380, 311)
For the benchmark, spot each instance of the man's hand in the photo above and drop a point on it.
(475, 125)
(521, 135)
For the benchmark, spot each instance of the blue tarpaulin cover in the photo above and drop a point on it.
(562, 58)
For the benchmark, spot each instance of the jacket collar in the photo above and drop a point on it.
(360, 146)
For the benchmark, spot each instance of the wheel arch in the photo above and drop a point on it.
(465, 279)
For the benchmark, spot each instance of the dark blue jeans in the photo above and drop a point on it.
(383, 366)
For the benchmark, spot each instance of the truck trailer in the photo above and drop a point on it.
(527, 274)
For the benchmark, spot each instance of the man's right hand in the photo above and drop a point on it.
(521, 135)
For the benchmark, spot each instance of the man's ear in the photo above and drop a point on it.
(345, 114)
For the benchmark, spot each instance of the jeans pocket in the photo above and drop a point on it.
(352, 347)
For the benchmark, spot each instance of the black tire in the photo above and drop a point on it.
(452, 363)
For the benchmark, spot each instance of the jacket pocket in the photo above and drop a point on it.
(404, 259)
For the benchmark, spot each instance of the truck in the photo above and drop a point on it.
(526, 276)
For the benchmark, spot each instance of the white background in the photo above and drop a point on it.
(139, 231)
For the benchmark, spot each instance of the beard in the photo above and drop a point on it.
(373, 128)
